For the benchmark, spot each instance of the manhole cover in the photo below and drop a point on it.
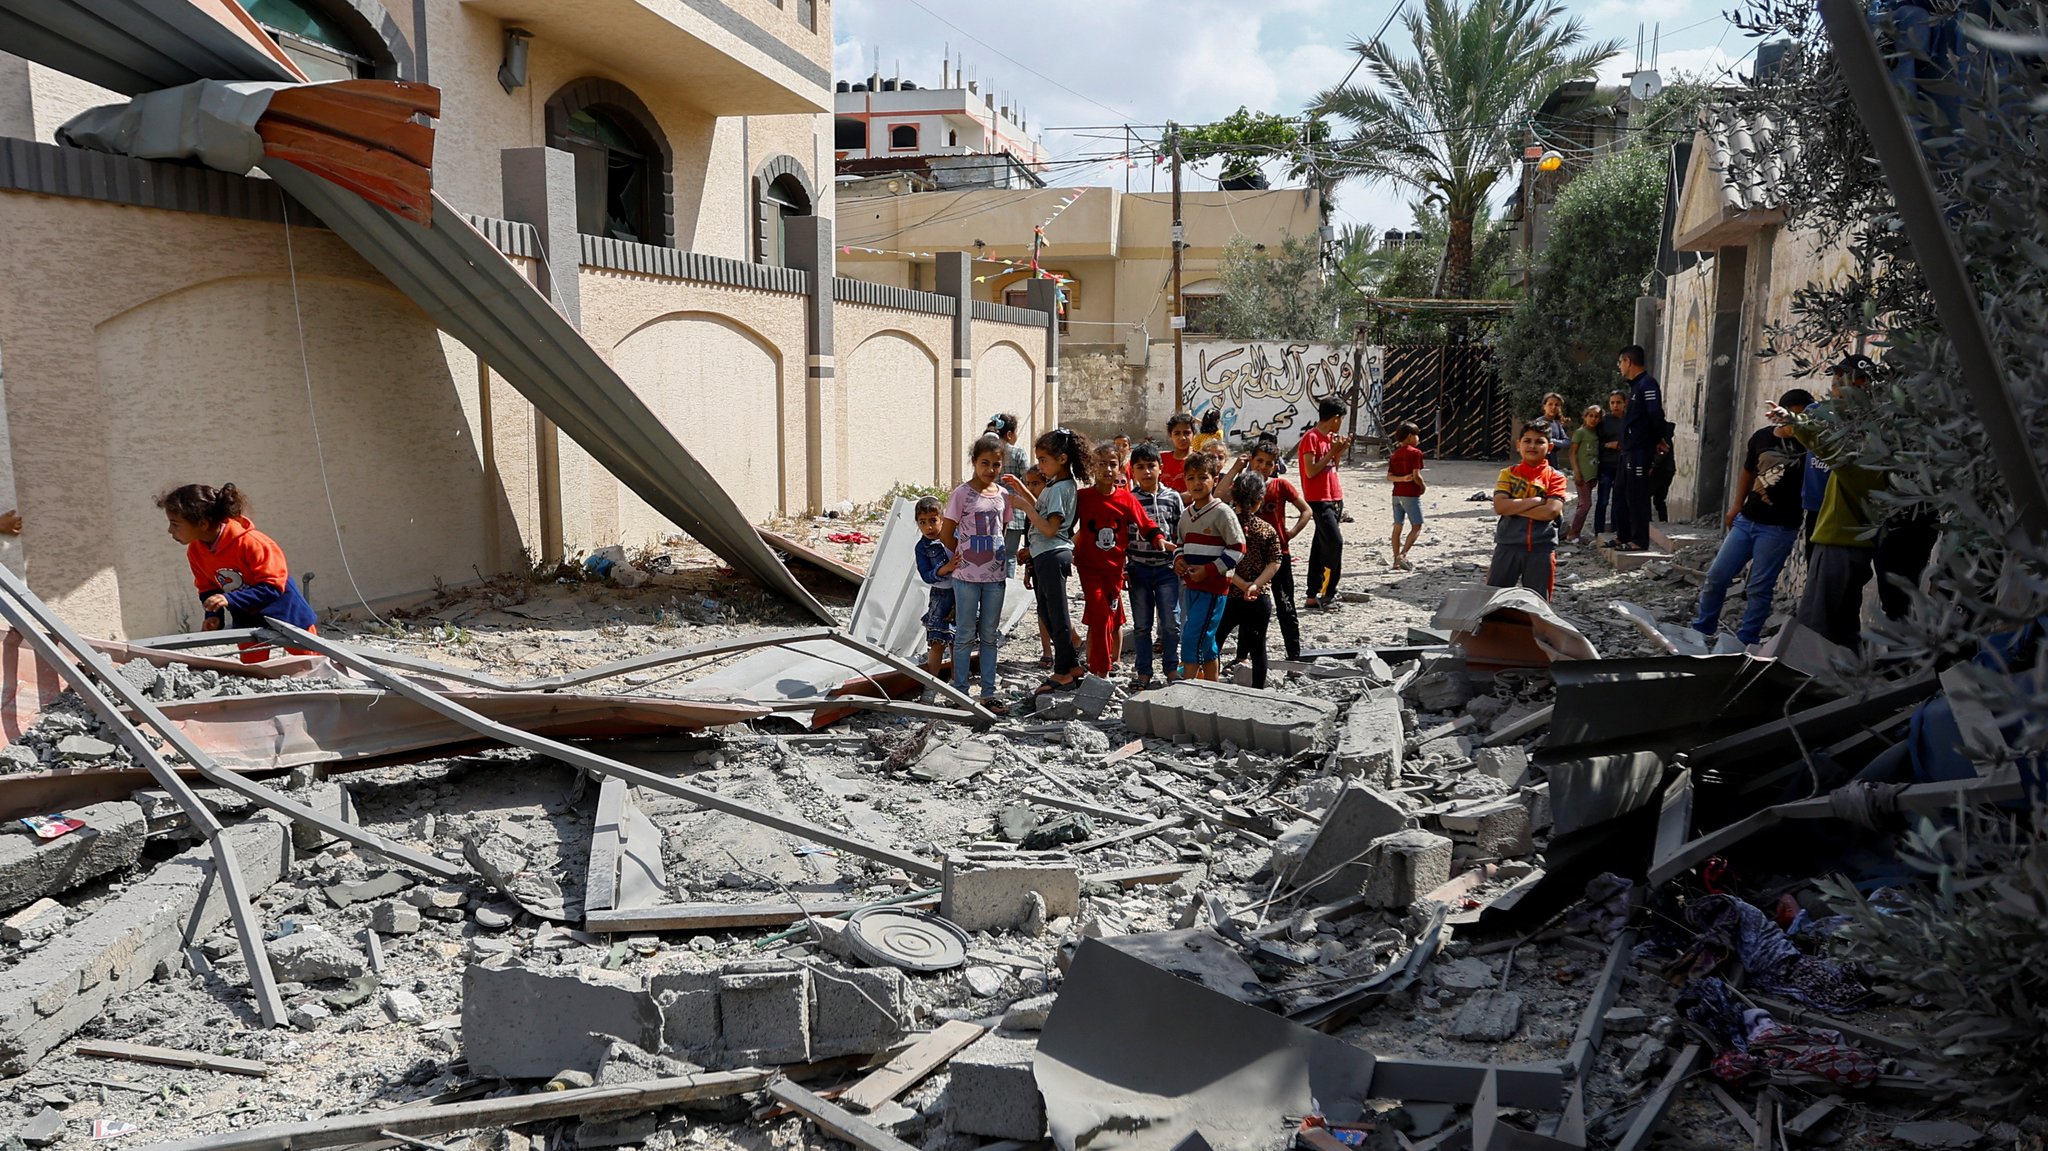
(911, 940)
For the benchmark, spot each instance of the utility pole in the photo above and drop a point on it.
(1179, 318)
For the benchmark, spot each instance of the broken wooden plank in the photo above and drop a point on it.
(643, 880)
(835, 1120)
(806, 554)
(1652, 1110)
(1131, 835)
(712, 916)
(342, 1130)
(1735, 1110)
(1140, 876)
(1812, 1117)
(904, 1071)
(1064, 804)
(1123, 753)
(172, 1057)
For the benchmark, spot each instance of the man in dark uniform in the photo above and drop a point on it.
(1643, 434)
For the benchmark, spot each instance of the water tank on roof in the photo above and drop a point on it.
(888, 85)
(858, 88)
(908, 86)
(843, 86)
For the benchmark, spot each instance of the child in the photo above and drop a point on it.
(1404, 468)
(1212, 429)
(1155, 590)
(1281, 494)
(935, 566)
(1556, 430)
(1585, 460)
(1003, 425)
(1529, 499)
(241, 573)
(1211, 542)
(1321, 448)
(1248, 609)
(1064, 460)
(1110, 518)
(972, 528)
(1180, 431)
(1123, 460)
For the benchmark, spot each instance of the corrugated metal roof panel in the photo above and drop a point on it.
(136, 46)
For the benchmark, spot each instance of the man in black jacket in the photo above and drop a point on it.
(1643, 434)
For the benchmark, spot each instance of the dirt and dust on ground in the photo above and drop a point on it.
(1172, 833)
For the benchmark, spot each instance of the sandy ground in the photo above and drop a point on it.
(357, 1057)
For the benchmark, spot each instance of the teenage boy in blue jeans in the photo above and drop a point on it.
(1763, 527)
(1148, 572)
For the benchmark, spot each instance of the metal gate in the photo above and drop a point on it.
(1452, 393)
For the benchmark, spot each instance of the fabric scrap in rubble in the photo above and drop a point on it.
(1749, 1040)
(1605, 911)
(1732, 929)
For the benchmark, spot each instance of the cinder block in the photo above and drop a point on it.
(1496, 827)
(1371, 743)
(117, 947)
(981, 895)
(1406, 866)
(529, 1023)
(855, 1010)
(764, 1012)
(994, 1091)
(1357, 820)
(1510, 764)
(688, 1001)
(1536, 797)
(1215, 713)
(329, 799)
(31, 868)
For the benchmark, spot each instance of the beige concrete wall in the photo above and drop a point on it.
(1009, 377)
(894, 386)
(162, 348)
(1100, 393)
(1688, 330)
(722, 368)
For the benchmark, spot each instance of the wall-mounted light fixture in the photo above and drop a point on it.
(512, 72)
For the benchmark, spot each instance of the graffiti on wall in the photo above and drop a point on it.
(1267, 388)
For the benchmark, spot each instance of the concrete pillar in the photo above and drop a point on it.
(808, 243)
(540, 190)
(1043, 296)
(1646, 326)
(1718, 415)
(956, 279)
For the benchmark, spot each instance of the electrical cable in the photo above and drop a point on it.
(1017, 62)
(313, 410)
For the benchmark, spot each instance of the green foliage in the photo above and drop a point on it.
(1581, 308)
(1974, 945)
(1245, 140)
(1448, 122)
(1414, 271)
(1278, 293)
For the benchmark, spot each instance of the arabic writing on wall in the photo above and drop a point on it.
(1267, 388)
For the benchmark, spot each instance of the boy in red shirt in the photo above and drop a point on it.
(1404, 468)
(1321, 448)
(1180, 429)
(1104, 514)
(1529, 499)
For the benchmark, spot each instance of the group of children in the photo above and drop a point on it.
(1201, 544)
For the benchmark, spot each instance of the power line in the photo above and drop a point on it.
(1017, 62)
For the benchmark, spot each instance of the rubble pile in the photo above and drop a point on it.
(1451, 888)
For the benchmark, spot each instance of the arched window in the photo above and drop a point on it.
(781, 190)
(849, 135)
(952, 138)
(902, 136)
(329, 39)
(623, 163)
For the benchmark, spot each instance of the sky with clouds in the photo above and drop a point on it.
(1082, 63)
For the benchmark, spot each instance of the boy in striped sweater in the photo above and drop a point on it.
(1211, 542)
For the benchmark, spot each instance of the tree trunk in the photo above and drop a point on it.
(1458, 257)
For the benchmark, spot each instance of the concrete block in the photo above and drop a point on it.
(1498, 828)
(394, 918)
(982, 895)
(1371, 743)
(994, 1091)
(1490, 1016)
(329, 799)
(1510, 765)
(1358, 818)
(530, 1022)
(313, 955)
(1442, 684)
(764, 1012)
(1406, 866)
(855, 1010)
(31, 868)
(1450, 747)
(118, 946)
(1215, 713)
(38, 919)
(688, 1001)
(1536, 798)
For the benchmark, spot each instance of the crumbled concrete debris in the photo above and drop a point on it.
(1216, 713)
(31, 868)
(990, 895)
(994, 1092)
(1489, 1016)
(312, 955)
(1083, 738)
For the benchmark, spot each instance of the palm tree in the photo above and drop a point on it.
(1449, 123)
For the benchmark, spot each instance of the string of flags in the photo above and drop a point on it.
(1038, 244)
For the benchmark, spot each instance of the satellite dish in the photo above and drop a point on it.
(1644, 85)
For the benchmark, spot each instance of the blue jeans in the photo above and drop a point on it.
(1201, 615)
(977, 615)
(1763, 549)
(1155, 593)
